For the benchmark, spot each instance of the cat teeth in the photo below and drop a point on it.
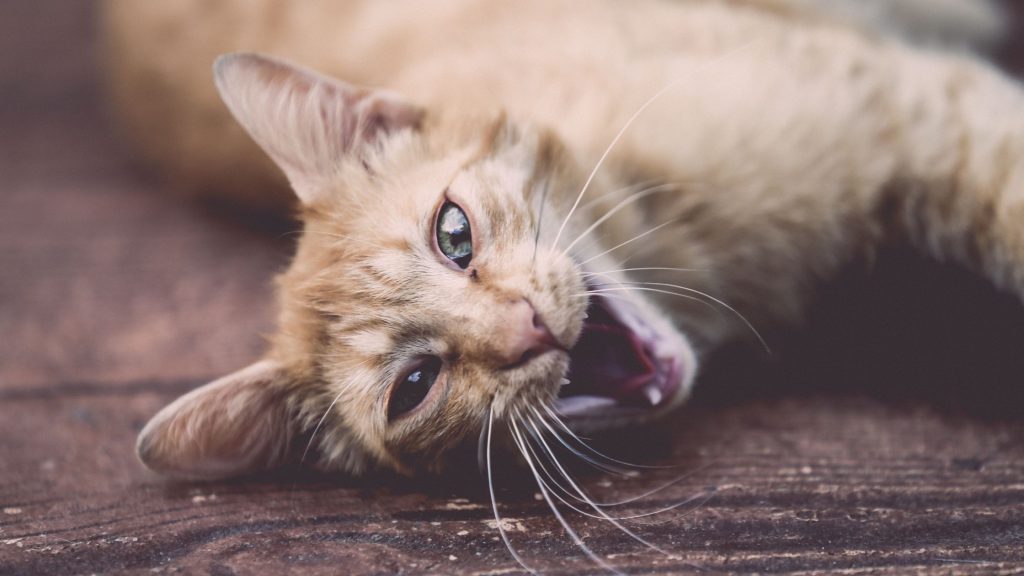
(564, 382)
(653, 393)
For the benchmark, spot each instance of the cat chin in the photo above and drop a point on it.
(630, 366)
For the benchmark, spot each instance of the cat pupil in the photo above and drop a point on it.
(453, 235)
(414, 388)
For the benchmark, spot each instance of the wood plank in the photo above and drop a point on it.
(798, 484)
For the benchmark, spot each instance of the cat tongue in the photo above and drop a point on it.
(610, 361)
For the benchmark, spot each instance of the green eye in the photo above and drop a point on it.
(453, 235)
(411, 391)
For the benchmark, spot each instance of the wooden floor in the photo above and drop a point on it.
(888, 438)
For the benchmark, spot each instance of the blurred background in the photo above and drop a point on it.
(117, 294)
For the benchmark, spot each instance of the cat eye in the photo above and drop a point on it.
(453, 235)
(413, 388)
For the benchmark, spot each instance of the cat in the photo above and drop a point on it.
(558, 208)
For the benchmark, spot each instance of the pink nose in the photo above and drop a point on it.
(523, 334)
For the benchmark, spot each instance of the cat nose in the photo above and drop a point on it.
(523, 335)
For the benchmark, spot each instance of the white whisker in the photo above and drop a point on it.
(588, 294)
(494, 500)
(324, 417)
(588, 447)
(517, 438)
(583, 495)
(632, 118)
(318, 425)
(632, 499)
(698, 498)
(627, 288)
(716, 301)
(645, 269)
(568, 493)
(645, 287)
(627, 242)
(631, 188)
(615, 209)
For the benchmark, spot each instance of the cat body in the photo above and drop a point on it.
(653, 176)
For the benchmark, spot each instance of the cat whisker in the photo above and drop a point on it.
(494, 500)
(583, 495)
(645, 269)
(540, 220)
(629, 122)
(554, 416)
(520, 443)
(622, 204)
(590, 293)
(317, 428)
(713, 299)
(320, 423)
(628, 242)
(569, 493)
(645, 287)
(609, 468)
(631, 188)
(700, 498)
(604, 292)
(696, 498)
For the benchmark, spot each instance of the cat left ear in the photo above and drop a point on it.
(305, 121)
(236, 425)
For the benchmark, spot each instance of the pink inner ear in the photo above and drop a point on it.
(384, 114)
(236, 425)
(305, 121)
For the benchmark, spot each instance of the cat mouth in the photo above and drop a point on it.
(622, 369)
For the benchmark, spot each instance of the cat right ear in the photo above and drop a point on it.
(305, 121)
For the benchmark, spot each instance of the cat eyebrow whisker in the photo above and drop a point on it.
(494, 500)
(627, 242)
(630, 188)
(518, 439)
(622, 204)
(645, 269)
(629, 122)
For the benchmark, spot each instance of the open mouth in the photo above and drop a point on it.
(621, 366)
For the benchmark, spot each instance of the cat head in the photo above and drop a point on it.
(429, 292)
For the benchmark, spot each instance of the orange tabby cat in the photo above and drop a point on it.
(557, 207)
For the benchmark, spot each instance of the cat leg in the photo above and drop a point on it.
(959, 190)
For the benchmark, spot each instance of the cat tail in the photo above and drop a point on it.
(967, 24)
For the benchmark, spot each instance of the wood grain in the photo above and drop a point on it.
(886, 439)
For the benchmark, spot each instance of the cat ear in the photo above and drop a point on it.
(305, 121)
(236, 425)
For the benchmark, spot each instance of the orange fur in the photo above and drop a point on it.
(781, 147)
